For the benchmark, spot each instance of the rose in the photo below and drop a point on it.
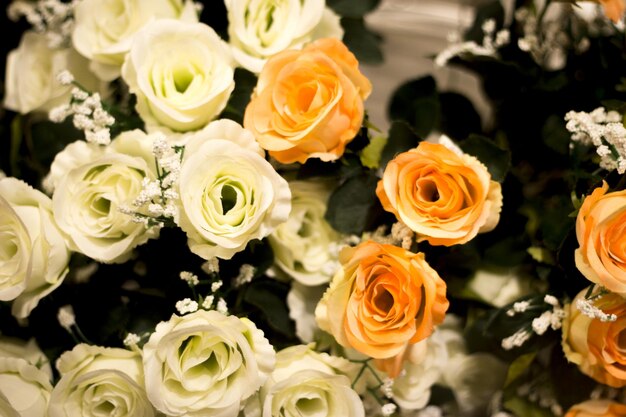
(205, 363)
(595, 345)
(381, 300)
(303, 245)
(31, 71)
(306, 383)
(258, 30)
(17, 348)
(33, 252)
(445, 198)
(302, 300)
(24, 389)
(98, 381)
(597, 408)
(600, 228)
(181, 74)
(104, 29)
(499, 286)
(91, 184)
(229, 193)
(309, 103)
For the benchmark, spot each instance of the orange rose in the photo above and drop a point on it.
(613, 9)
(597, 408)
(309, 103)
(444, 197)
(601, 233)
(597, 347)
(382, 299)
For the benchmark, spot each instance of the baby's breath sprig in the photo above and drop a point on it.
(67, 320)
(588, 308)
(53, 18)
(550, 318)
(381, 392)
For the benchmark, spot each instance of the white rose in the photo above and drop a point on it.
(181, 73)
(104, 29)
(28, 350)
(98, 381)
(33, 252)
(24, 389)
(259, 29)
(91, 183)
(302, 301)
(31, 71)
(499, 286)
(306, 247)
(306, 383)
(205, 363)
(229, 194)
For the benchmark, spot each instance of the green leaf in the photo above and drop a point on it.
(497, 160)
(522, 407)
(245, 81)
(352, 8)
(555, 135)
(361, 41)
(51, 138)
(459, 118)
(417, 103)
(401, 139)
(371, 154)
(351, 207)
(269, 297)
(519, 367)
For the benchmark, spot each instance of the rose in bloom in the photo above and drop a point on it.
(28, 350)
(600, 229)
(596, 346)
(229, 193)
(306, 383)
(205, 363)
(309, 103)
(98, 381)
(33, 251)
(303, 245)
(104, 29)
(181, 73)
(381, 300)
(24, 388)
(444, 197)
(259, 29)
(597, 408)
(90, 185)
(31, 71)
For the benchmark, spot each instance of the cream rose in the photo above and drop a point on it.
(444, 197)
(205, 363)
(229, 193)
(181, 73)
(306, 383)
(306, 246)
(24, 389)
(302, 300)
(98, 381)
(31, 75)
(91, 183)
(259, 29)
(28, 350)
(104, 29)
(33, 252)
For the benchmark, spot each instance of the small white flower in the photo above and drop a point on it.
(65, 77)
(388, 409)
(186, 305)
(216, 285)
(190, 278)
(211, 266)
(207, 304)
(66, 317)
(131, 340)
(221, 306)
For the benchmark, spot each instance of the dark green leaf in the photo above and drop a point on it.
(363, 43)
(555, 135)
(417, 103)
(459, 118)
(51, 138)
(269, 297)
(351, 207)
(401, 139)
(497, 160)
(245, 81)
(352, 8)
(508, 252)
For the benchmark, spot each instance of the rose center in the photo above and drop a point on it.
(427, 190)
(182, 77)
(102, 206)
(311, 406)
(228, 198)
(383, 300)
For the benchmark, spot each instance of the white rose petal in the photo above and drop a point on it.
(24, 389)
(302, 301)
(259, 29)
(33, 252)
(97, 381)
(28, 350)
(229, 195)
(205, 363)
(104, 29)
(181, 73)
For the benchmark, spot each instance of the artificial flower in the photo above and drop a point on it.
(444, 197)
(597, 408)
(24, 388)
(308, 103)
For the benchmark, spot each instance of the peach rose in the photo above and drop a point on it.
(309, 103)
(597, 347)
(613, 9)
(444, 197)
(600, 229)
(597, 408)
(381, 300)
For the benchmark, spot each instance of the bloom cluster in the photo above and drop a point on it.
(54, 18)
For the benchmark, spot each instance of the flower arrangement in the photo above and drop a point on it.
(197, 217)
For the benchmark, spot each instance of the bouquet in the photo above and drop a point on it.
(197, 217)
